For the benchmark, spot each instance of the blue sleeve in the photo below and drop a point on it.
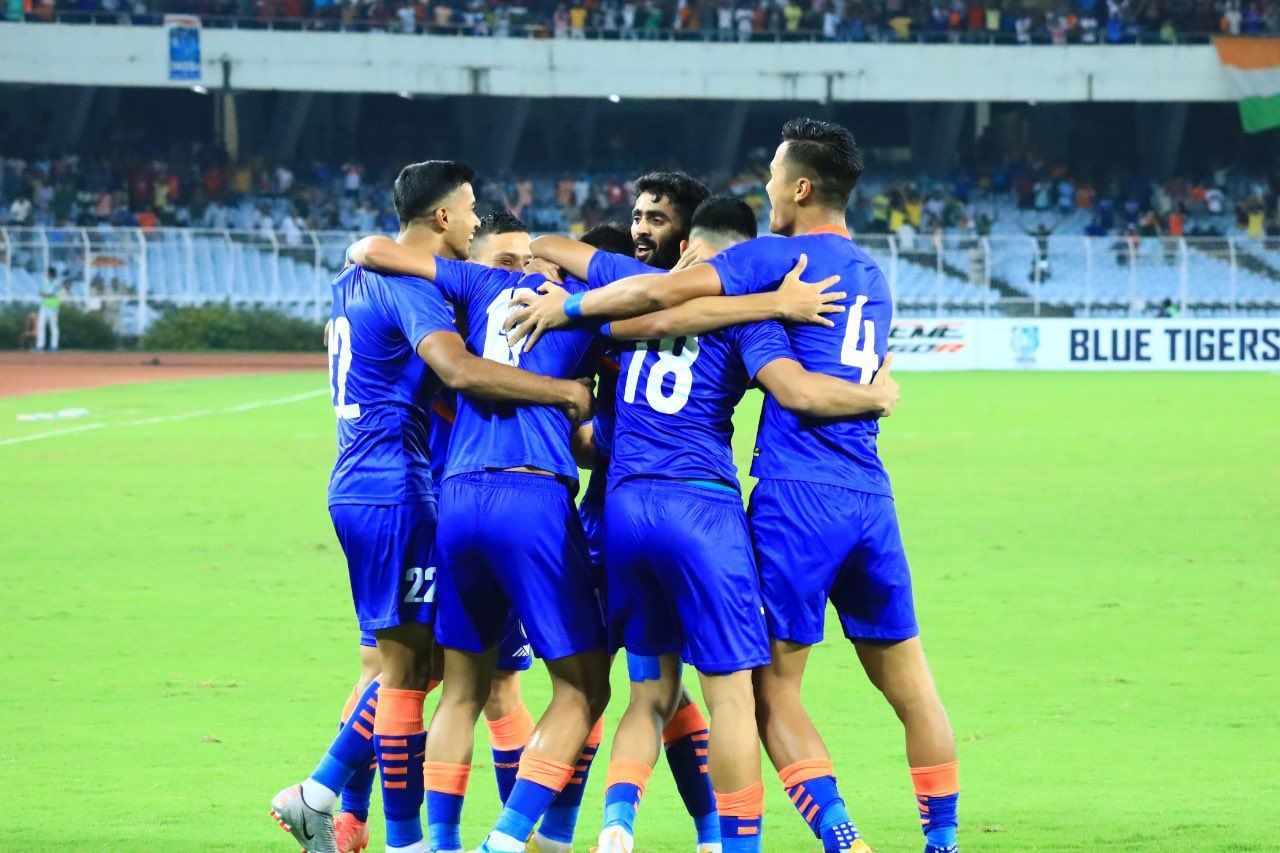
(464, 281)
(606, 268)
(754, 266)
(417, 308)
(761, 343)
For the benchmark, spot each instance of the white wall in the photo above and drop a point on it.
(369, 62)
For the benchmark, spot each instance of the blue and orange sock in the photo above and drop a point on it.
(624, 788)
(811, 785)
(400, 739)
(938, 795)
(350, 751)
(685, 738)
(508, 736)
(537, 783)
(446, 786)
(561, 819)
(741, 818)
(357, 792)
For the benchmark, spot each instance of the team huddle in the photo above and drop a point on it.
(463, 355)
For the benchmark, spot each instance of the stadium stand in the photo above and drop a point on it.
(1075, 22)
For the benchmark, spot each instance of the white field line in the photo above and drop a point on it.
(199, 413)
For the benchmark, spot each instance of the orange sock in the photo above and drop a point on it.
(512, 731)
(741, 816)
(352, 701)
(547, 772)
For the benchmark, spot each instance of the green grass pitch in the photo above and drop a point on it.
(1096, 570)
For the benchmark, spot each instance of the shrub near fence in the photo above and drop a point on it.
(221, 327)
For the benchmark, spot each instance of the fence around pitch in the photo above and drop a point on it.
(131, 274)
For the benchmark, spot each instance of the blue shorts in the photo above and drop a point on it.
(682, 577)
(514, 654)
(816, 543)
(511, 545)
(388, 552)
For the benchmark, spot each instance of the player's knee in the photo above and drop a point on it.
(655, 698)
(729, 694)
(504, 695)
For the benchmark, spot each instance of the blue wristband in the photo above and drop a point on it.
(573, 305)
(607, 330)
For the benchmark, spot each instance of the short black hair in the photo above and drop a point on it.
(421, 187)
(826, 154)
(500, 222)
(684, 192)
(611, 237)
(725, 214)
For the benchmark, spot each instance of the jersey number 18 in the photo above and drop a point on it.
(675, 359)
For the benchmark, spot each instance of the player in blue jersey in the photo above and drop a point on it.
(510, 547)
(661, 213)
(682, 575)
(391, 343)
(500, 241)
(822, 518)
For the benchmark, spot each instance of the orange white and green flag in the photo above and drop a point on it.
(1253, 65)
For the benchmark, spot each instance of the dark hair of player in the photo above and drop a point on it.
(500, 222)
(421, 187)
(611, 237)
(826, 154)
(725, 214)
(684, 192)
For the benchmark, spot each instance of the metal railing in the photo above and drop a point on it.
(524, 24)
(131, 274)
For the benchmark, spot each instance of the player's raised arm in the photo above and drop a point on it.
(572, 256)
(818, 395)
(384, 255)
(485, 379)
(794, 301)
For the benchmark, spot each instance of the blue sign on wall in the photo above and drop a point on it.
(184, 46)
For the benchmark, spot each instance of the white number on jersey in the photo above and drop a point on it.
(496, 347)
(339, 335)
(420, 577)
(675, 359)
(851, 353)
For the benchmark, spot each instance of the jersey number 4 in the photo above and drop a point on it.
(675, 359)
(851, 353)
(339, 335)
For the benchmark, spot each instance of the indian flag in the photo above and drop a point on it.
(1253, 64)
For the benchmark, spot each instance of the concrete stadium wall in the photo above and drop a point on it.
(379, 62)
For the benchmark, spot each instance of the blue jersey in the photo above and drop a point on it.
(676, 397)
(379, 386)
(444, 410)
(490, 435)
(834, 451)
(606, 268)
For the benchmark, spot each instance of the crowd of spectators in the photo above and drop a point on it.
(1000, 21)
(199, 187)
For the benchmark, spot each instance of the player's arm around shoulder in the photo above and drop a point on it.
(628, 297)
(481, 378)
(572, 256)
(818, 395)
(384, 255)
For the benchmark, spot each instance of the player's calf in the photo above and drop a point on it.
(797, 750)
(901, 672)
(399, 733)
(467, 680)
(733, 757)
(655, 692)
(580, 691)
